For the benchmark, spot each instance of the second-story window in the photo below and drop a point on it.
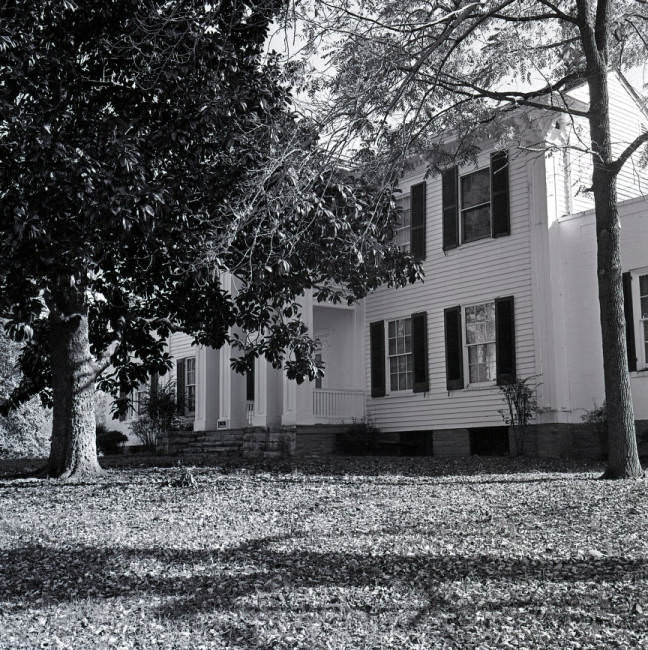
(475, 205)
(403, 228)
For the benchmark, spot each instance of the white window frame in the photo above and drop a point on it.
(640, 345)
(489, 203)
(189, 411)
(388, 388)
(405, 196)
(466, 345)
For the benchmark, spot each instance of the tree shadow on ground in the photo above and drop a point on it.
(192, 582)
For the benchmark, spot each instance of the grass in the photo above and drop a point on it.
(340, 553)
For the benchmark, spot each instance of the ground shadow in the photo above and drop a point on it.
(216, 579)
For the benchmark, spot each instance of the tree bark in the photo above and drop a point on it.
(73, 452)
(623, 457)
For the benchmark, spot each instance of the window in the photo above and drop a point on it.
(475, 205)
(142, 399)
(190, 384)
(401, 363)
(402, 232)
(643, 299)
(480, 343)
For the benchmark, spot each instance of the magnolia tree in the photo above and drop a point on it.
(431, 81)
(147, 148)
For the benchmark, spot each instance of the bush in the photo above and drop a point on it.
(157, 416)
(597, 419)
(25, 432)
(358, 440)
(521, 407)
(110, 442)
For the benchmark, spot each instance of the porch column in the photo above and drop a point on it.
(304, 392)
(207, 389)
(260, 415)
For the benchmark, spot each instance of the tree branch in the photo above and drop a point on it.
(628, 151)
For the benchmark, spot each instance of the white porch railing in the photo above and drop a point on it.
(338, 405)
(249, 412)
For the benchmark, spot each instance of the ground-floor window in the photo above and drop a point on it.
(401, 364)
(480, 343)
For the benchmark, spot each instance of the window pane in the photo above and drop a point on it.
(644, 307)
(476, 223)
(393, 384)
(392, 346)
(643, 285)
(475, 188)
(391, 329)
(491, 365)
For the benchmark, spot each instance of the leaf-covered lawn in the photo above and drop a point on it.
(375, 553)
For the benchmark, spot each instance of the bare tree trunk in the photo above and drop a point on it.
(623, 458)
(73, 451)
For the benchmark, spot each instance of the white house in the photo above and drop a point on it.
(509, 253)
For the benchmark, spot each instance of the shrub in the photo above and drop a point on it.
(25, 432)
(110, 441)
(521, 407)
(359, 439)
(597, 419)
(157, 416)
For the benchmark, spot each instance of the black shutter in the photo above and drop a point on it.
(505, 340)
(629, 321)
(453, 348)
(420, 352)
(153, 390)
(449, 193)
(122, 397)
(180, 386)
(500, 194)
(417, 221)
(377, 345)
(249, 385)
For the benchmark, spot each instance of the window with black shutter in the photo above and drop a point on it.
(476, 205)
(505, 340)
(629, 322)
(377, 352)
(418, 220)
(420, 352)
(453, 348)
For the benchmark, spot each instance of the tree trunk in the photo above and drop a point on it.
(73, 451)
(623, 458)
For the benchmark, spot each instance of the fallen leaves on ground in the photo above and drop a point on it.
(338, 553)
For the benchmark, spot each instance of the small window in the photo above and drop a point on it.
(190, 384)
(476, 205)
(643, 298)
(402, 231)
(480, 343)
(401, 362)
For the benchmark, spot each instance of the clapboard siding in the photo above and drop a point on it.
(180, 346)
(474, 272)
(626, 120)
